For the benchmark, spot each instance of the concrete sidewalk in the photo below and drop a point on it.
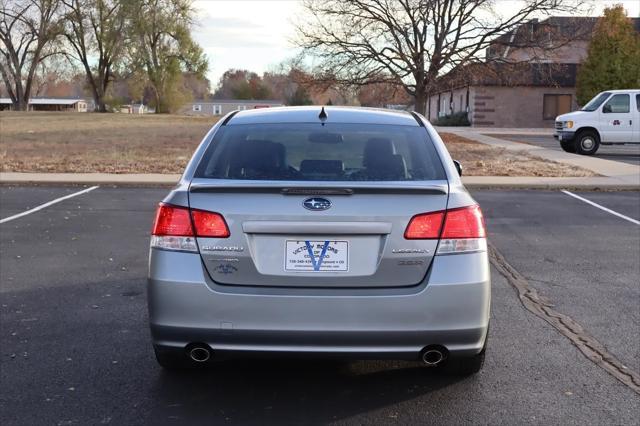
(500, 130)
(623, 173)
(592, 183)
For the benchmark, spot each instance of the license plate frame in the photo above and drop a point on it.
(316, 256)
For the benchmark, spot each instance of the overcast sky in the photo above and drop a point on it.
(256, 35)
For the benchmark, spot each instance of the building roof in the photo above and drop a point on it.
(551, 32)
(238, 101)
(508, 74)
(47, 101)
(496, 70)
(335, 114)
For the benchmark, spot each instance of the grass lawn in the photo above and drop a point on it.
(123, 143)
(482, 160)
(109, 143)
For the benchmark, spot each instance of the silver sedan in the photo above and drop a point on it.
(320, 231)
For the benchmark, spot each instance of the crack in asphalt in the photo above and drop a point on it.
(542, 307)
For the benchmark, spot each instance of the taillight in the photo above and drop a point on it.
(460, 230)
(209, 224)
(175, 228)
(173, 221)
(465, 222)
(424, 226)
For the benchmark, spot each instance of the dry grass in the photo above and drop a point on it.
(483, 160)
(122, 143)
(110, 143)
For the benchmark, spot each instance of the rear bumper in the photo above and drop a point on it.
(450, 308)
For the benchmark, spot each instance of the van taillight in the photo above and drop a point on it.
(459, 230)
(175, 228)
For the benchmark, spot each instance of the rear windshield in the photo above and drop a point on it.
(333, 152)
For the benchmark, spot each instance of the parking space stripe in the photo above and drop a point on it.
(637, 222)
(47, 204)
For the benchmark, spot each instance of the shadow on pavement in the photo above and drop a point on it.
(293, 391)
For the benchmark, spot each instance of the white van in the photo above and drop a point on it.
(610, 118)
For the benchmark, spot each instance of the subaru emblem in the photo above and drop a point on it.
(316, 204)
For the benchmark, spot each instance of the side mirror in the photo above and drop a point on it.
(458, 167)
(606, 109)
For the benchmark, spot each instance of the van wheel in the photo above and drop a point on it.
(587, 142)
(568, 146)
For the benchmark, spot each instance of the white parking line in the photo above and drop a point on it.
(45, 205)
(637, 222)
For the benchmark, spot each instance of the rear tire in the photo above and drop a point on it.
(568, 146)
(587, 142)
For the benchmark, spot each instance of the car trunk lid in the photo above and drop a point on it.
(277, 240)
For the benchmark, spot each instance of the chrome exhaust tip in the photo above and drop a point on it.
(200, 354)
(433, 357)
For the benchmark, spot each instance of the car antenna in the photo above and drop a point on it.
(323, 115)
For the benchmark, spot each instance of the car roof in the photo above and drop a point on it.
(335, 114)
(623, 91)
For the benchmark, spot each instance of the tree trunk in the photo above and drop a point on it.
(21, 105)
(100, 105)
(421, 101)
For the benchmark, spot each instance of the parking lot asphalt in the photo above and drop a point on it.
(75, 347)
(623, 153)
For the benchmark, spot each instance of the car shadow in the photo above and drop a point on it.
(288, 391)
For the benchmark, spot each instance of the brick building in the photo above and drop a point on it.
(526, 80)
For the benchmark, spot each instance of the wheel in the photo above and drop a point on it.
(171, 360)
(568, 146)
(587, 142)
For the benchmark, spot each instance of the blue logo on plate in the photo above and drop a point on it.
(316, 204)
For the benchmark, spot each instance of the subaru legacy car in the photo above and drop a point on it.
(320, 231)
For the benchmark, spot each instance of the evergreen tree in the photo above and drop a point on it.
(613, 60)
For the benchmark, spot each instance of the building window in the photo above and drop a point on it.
(197, 108)
(217, 110)
(617, 104)
(242, 107)
(554, 105)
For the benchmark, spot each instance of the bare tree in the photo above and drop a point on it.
(95, 31)
(409, 42)
(27, 30)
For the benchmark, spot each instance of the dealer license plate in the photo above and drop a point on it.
(316, 256)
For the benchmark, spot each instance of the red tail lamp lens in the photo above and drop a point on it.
(172, 221)
(209, 224)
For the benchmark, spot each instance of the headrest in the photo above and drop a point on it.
(376, 150)
(257, 158)
(329, 167)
